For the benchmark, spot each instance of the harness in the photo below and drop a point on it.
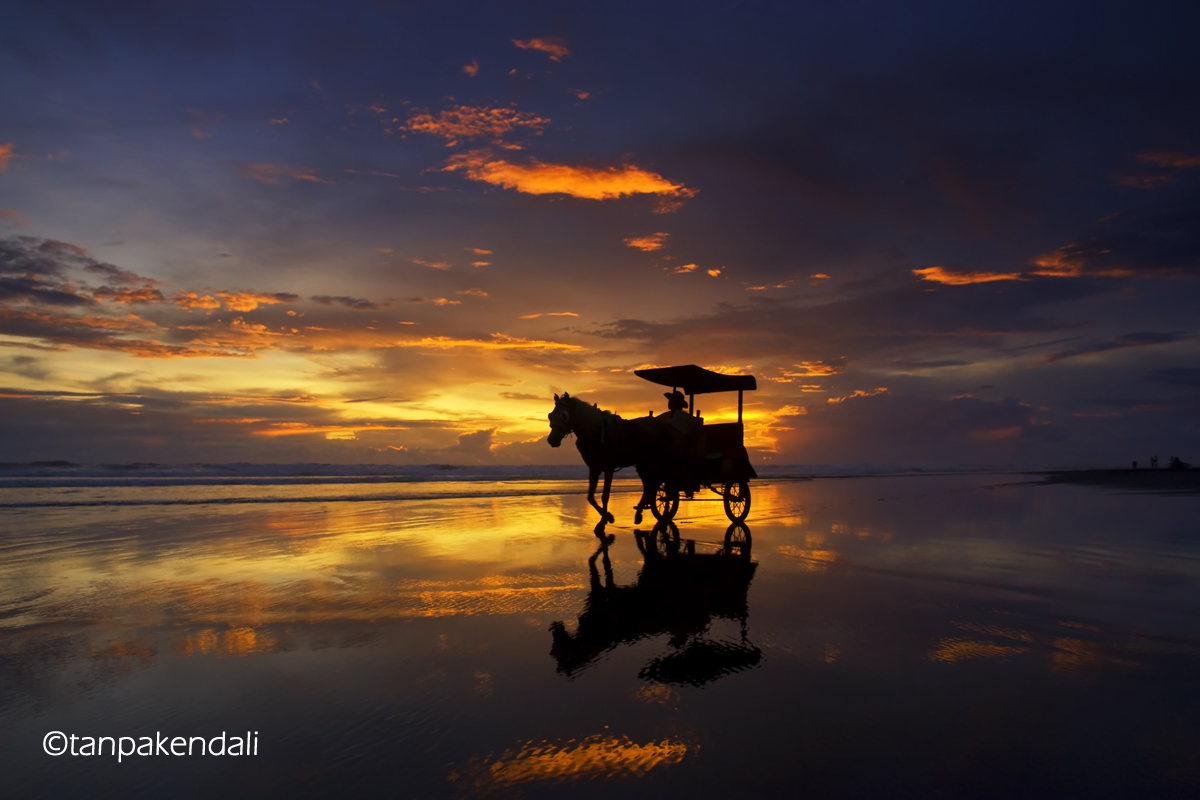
(606, 427)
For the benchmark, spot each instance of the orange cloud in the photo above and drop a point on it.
(98, 333)
(815, 369)
(1170, 159)
(685, 268)
(550, 314)
(715, 272)
(996, 434)
(330, 431)
(1071, 262)
(962, 278)
(479, 251)
(466, 122)
(270, 173)
(481, 263)
(581, 94)
(541, 178)
(554, 47)
(499, 341)
(654, 241)
(471, 69)
(191, 300)
(247, 301)
(239, 335)
(432, 264)
(6, 155)
(474, 292)
(859, 393)
(665, 205)
(146, 294)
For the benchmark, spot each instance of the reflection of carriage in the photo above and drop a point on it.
(710, 456)
(679, 592)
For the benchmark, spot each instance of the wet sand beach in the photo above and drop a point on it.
(934, 636)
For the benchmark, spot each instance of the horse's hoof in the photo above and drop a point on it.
(637, 517)
(609, 518)
(610, 538)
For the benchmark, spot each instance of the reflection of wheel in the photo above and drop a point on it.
(666, 538)
(666, 503)
(737, 538)
(737, 500)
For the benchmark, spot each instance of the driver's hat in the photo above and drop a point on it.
(675, 400)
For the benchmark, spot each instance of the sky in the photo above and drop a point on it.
(389, 232)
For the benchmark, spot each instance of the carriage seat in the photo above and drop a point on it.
(723, 440)
(688, 436)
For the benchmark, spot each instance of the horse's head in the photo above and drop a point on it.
(560, 420)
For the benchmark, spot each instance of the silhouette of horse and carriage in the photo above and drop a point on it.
(675, 453)
(679, 592)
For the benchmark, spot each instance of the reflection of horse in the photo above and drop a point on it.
(609, 443)
(678, 592)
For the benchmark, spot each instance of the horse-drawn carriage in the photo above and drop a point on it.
(713, 455)
(676, 453)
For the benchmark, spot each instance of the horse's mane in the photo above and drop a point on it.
(593, 406)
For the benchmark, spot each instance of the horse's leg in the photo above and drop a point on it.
(649, 486)
(604, 498)
(593, 476)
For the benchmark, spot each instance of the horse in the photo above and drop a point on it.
(609, 443)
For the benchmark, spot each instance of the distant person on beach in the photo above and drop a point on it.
(1153, 462)
(1135, 465)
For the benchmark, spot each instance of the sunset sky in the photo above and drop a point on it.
(389, 232)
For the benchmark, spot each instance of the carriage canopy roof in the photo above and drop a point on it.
(697, 380)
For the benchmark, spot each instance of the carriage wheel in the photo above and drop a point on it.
(666, 503)
(666, 539)
(737, 500)
(737, 538)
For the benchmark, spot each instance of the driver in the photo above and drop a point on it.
(677, 417)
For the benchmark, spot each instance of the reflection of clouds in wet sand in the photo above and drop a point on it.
(594, 757)
(1064, 655)
(227, 613)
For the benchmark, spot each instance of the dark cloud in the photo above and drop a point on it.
(35, 290)
(1162, 241)
(474, 447)
(1140, 339)
(144, 295)
(928, 364)
(869, 325)
(38, 271)
(26, 366)
(1177, 376)
(26, 255)
(112, 274)
(888, 428)
(355, 303)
